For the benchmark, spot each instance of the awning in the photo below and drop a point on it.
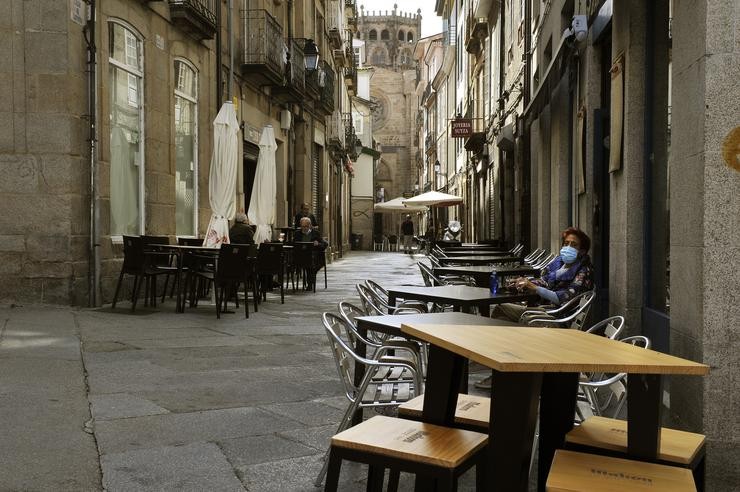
(553, 74)
(505, 138)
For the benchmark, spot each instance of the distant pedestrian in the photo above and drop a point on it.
(241, 232)
(305, 211)
(407, 229)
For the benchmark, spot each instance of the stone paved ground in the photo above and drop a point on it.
(153, 400)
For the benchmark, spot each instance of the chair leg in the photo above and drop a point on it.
(164, 290)
(137, 288)
(246, 297)
(282, 289)
(118, 288)
(325, 283)
(154, 291)
(216, 291)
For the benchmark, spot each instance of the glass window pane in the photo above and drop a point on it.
(125, 152)
(185, 150)
(125, 47)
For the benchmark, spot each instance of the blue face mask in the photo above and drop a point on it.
(568, 254)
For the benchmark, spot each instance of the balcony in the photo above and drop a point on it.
(340, 58)
(430, 143)
(335, 23)
(326, 98)
(196, 17)
(350, 80)
(263, 48)
(294, 88)
(427, 97)
(335, 132)
(477, 32)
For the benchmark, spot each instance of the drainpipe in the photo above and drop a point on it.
(229, 17)
(219, 77)
(647, 156)
(92, 96)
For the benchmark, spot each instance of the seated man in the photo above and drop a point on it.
(241, 231)
(307, 234)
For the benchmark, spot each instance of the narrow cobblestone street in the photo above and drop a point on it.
(178, 401)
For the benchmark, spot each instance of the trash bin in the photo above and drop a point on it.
(356, 240)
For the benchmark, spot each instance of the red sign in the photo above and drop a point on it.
(461, 128)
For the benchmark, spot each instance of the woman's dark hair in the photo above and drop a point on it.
(582, 237)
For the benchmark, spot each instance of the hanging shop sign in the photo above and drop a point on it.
(461, 128)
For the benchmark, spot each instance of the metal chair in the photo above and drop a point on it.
(571, 315)
(543, 261)
(532, 255)
(382, 294)
(371, 392)
(535, 257)
(614, 385)
(376, 305)
(610, 327)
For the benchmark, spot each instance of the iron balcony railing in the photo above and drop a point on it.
(198, 17)
(431, 141)
(263, 48)
(336, 133)
(297, 74)
(327, 88)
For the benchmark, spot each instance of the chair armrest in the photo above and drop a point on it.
(604, 382)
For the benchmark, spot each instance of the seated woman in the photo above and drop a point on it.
(568, 275)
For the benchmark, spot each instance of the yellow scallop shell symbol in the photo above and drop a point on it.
(731, 149)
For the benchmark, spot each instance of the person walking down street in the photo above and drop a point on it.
(305, 211)
(241, 232)
(407, 230)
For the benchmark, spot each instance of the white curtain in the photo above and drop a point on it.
(222, 176)
(264, 190)
(124, 179)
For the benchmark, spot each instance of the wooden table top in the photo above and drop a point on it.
(479, 259)
(549, 350)
(457, 293)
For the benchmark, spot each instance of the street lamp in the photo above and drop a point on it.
(311, 51)
(437, 167)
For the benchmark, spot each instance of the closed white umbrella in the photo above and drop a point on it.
(222, 176)
(434, 199)
(264, 191)
(397, 205)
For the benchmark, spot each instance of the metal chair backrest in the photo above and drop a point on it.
(537, 257)
(368, 301)
(534, 254)
(584, 305)
(430, 280)
(610, 327)
(637, 341)
(544, 261)
(435, 262)
(270, 258)
(377, 289)
(234, 262)
(345, 357)
(517, 249)
(349, 312)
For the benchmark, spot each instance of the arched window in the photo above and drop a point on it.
(410, 37)
(385, 34)
(378, 57)
(401, 36)
(186, 148)
(126, 77)
(373, 35)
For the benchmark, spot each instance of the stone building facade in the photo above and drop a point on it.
(159, 77)
(390, 38)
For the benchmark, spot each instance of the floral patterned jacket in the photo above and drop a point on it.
(566, 285)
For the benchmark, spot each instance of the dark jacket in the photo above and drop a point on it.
(241, 233)
(313, 235)
(299, 216)
(407, 228)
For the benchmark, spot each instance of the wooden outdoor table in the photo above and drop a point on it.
(461, 297)
(180, 250)
(528, 363)
(475, 247)
(482, 274)
(478, 260)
